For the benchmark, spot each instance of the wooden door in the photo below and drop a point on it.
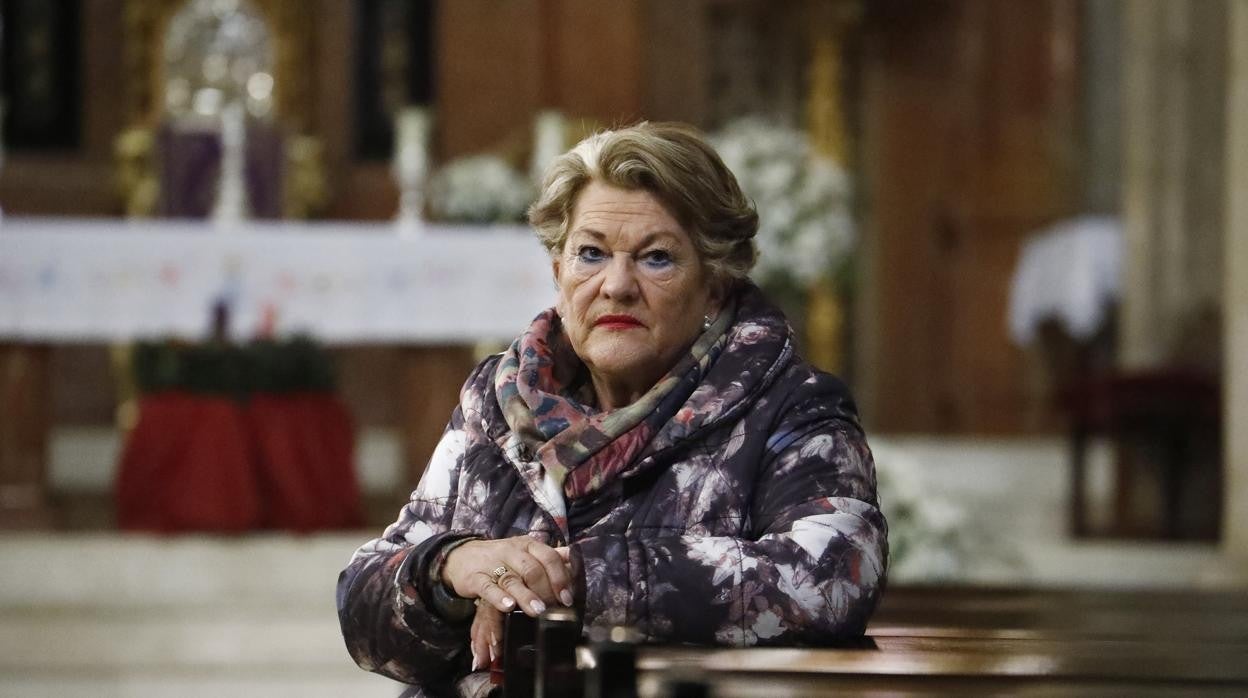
(968, 144)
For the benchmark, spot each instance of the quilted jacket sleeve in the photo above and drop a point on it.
(809, 569)
(388, 621)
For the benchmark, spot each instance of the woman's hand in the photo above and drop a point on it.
(486, 636)
(511, 572)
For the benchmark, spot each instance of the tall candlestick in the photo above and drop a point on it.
(411, 165)
(232, 205)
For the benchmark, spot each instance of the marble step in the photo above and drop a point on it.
(242, 636)
(120, 570)
(183, 684)
(243, 649)
(139, 616)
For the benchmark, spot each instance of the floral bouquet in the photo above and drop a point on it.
(480, 189)
(806, 230)
(926, 533)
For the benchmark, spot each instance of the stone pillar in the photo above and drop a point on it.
(1235, 303)
(1174, 125)
(1100, 98)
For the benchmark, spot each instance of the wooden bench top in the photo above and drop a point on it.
(978, 642)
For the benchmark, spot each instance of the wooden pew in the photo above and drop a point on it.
(989, 642)
(1143, 615)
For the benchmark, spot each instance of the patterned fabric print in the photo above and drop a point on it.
(581, 448)
(750, 517)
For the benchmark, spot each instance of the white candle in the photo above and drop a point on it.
(548, 139)
(412, 140)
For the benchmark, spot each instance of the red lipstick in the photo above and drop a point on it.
(617, 322)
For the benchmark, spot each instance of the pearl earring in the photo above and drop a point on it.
(706, 322)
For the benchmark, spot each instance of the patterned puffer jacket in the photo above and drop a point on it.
(750, 519)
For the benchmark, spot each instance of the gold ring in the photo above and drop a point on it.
(498, 573)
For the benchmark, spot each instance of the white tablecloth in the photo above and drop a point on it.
(66, 280)
(1071, 273)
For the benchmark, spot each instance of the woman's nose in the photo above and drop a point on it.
(621, 278)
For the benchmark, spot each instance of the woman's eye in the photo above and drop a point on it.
(589, 253)
(657, 258)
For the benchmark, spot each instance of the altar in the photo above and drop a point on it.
(435, 291)
(66, 280)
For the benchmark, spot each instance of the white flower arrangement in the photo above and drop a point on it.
(806, 230)
(932, 536)
(479, 189)
(926, 533)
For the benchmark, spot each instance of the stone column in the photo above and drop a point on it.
(1174, 125)
(1235, 303)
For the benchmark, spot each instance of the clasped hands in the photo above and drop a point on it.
(503, 575)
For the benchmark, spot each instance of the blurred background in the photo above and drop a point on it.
(251, 248)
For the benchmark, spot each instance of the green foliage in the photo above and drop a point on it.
(218, 368)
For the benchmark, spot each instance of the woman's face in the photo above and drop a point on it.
(632, 290)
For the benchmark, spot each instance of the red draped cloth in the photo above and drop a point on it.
(188, 465)
(304, 443)
(208, 463)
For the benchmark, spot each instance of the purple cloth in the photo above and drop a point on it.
(190, 168)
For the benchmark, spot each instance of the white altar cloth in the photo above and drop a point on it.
(1070, 272)
(81, 280)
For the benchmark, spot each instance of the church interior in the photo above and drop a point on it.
(250, 249)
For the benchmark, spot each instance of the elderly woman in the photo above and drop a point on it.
(650, 451)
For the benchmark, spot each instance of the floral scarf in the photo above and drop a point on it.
(545, 393)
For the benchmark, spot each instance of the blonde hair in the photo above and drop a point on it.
(672, 162)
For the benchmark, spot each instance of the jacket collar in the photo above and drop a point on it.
(758, 348)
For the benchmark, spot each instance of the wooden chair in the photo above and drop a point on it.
(1164, 424)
